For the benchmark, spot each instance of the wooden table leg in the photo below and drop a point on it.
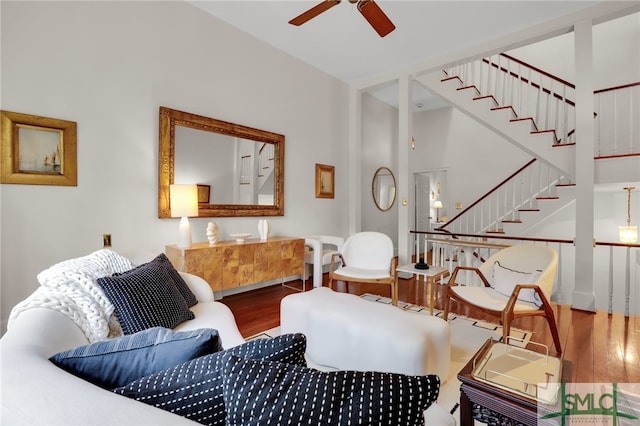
(466, 414)
(430, 294)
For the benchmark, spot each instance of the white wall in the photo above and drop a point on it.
(109, 66)
(379, 149)
(476, 159)
(616, 53)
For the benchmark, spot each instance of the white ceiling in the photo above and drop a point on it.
(341, 42)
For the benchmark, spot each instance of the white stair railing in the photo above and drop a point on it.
(266, 154)
(531, 92)
(519, 192)
(616, 120)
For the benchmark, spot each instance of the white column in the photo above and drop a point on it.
(404, 184)
(583, 296)
(354, 197)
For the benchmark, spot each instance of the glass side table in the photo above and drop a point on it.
(431, 275)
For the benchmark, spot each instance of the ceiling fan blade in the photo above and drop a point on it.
(313, 12)
(376, 17)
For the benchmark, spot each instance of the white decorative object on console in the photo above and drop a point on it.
(240, 237)
(213, 232)
(263, 229)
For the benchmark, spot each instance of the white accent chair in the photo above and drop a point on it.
(321, 249)
(366, 257)
(515, 282)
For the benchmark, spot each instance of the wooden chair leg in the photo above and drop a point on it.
(505, 333)
(445, 315)
(394, 294)
(506, 327)
(554, 332)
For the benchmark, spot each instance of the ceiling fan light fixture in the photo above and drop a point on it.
(368, 8)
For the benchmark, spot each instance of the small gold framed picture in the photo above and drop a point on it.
(325, 181)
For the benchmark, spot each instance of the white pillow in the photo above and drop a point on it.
(505, 280)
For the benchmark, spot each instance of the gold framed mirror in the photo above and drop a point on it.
(242, 166)
(383, 188)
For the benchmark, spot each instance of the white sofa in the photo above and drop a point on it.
(36, 392)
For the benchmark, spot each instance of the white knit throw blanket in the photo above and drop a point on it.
(71, 288)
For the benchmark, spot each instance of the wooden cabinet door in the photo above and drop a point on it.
(238, 267)
(267, 261)
(292, 257)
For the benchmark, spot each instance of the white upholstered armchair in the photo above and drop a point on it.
(515, 282)
(321, 248)
(366, 257)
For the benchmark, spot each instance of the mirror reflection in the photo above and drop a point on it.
(239, 169)
(235, 170)
(383, 188)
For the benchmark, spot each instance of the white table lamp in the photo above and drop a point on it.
(437, 205)
(184, 203)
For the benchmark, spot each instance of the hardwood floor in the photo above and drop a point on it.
(601, 347)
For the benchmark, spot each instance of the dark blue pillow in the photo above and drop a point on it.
(194, 389)
(261, 392)
(145, 297)
(116, 362)
(170, 275)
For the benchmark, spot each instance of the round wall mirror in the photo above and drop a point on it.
(383, 188)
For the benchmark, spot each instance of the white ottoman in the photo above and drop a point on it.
(346, 332)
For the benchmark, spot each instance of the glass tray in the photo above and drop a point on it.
(520, 371)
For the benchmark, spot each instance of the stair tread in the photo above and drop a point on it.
(479, 98)
(528, 210)
(469, 87)
(512, 221)
(513, 111)
(547, 198)
(450, 78)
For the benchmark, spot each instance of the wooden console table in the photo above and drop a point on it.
(228, 264)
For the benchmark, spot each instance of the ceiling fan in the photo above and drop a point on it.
(368, 8)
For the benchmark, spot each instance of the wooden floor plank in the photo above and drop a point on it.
(601, 347)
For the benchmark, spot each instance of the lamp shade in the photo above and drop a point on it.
(184, 200)
(628, 234)
(437, 204)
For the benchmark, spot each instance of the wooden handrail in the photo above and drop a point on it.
(532, 239)
(546, 74)
(498, 237)
(604, 157)
(609, 89)
(490, 192)
(533, 83)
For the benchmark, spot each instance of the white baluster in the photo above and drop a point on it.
(627, 282)
(546, 111)
(610, 310)
(615, 124)
(560, 292)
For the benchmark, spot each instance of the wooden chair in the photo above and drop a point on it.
(516, 282)
(366, 257)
